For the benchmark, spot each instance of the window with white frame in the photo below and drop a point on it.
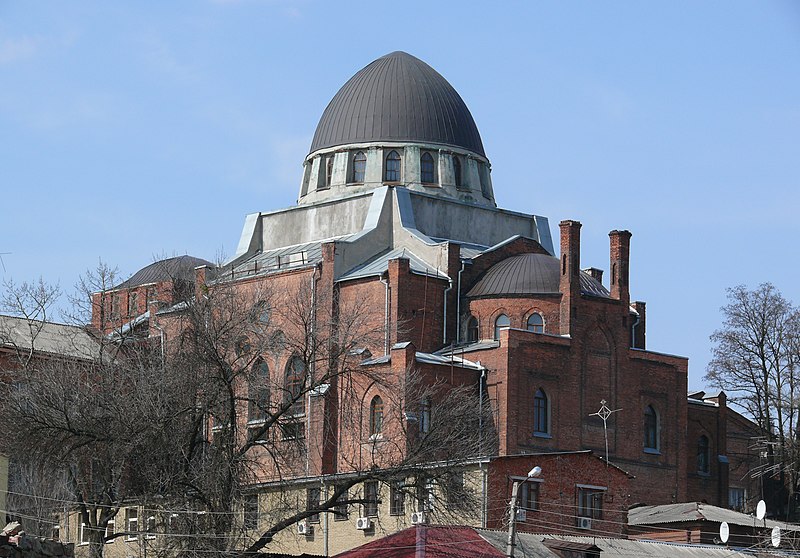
(132, 523)
(110, 532)
(535, 323)
(736, 498)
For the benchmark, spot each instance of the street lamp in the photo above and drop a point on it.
(512, 515)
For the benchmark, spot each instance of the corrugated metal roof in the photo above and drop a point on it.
(530, 274)
(379, 265)
(696, 511)
(530, 545)
(181, 267)
(48, 337)
(397, 98)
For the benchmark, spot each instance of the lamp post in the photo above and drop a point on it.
(512, 514)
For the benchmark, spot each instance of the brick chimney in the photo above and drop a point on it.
(570, 268)
(620, 261)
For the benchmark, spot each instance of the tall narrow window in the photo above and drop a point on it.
(703, 460)
(376, 416)
(258, 392)
(397, 498)
(359, 166)
(293, 389)
(650, 429)
(472, 330)
(536, 323)
(426, 168)
(251, 512)
(370, 499)
(328, 171)
(340, 508)
(312, 503)
(501, 322)
(133, 303)
(529, 499)
(392, 173)
(457, 171)
(541, 413)
(425, 416)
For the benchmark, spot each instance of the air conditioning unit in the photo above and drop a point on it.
(418, 518)
(584, 523)
(303, 528)
(363, 524)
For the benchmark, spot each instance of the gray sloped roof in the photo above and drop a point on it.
(380, 264)
(530, 274)
(530, 545)
(181, 267)
(695, 511)
(47, 337)
(397, 98)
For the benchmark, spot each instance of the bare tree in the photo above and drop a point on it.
(218, 399)
(755, 360)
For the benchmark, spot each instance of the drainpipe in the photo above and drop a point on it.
(484, 488)
(310, 372)
(325, 526)
(444, 328)
(633, 331)
(458, 305)
(385, 318)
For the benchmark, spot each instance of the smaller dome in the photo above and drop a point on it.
(530, 274)
(180, 267)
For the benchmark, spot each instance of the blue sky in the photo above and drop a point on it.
(134, 130)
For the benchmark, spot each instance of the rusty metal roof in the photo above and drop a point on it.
(397, 98)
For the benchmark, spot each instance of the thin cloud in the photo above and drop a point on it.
(14, 49)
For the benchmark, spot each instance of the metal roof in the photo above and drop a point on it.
(530, 274)
(48, 337)
(286, 257)
(696, 511)
(530, 545)
(181, 267)
(379, 265)
(397, 98)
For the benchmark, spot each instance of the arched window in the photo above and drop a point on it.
(376, 416)
(536, 323)
(258, 391)
(425, 416)
(426, 168)
(472, 330)
(541, 413)
(329, 171)
(392, 173)
(501, 322)
(359, 166)
(650, 429)
(457, 171)
(293, 388)
(703, 457)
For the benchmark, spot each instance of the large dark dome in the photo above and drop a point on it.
(397, 98)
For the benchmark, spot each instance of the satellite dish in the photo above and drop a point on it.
(724, 531)
(761, 509)
(776, 537)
